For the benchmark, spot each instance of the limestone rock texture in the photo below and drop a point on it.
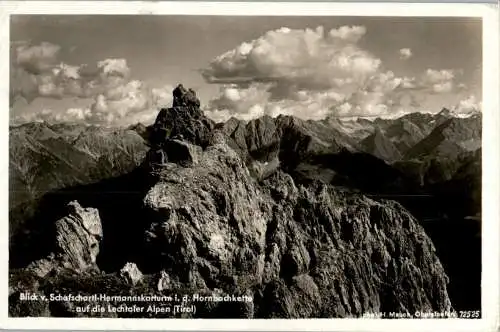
(76, 245)
(300, 251)
(184, 120)
(77, 238)
(131, 273)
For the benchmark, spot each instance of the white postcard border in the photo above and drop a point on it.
(491, 164)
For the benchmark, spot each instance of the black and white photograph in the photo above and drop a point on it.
(227, 166)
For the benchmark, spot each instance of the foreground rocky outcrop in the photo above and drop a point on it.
(77, 238)
(301, 251)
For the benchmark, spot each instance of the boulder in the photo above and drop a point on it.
(78, 236)
(164, 282)
(131, 273)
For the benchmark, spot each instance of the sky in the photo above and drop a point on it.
(117, 70)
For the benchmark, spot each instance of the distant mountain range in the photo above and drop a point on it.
(46, 157)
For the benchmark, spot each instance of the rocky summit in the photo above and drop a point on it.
(184, 120)
(228, 211)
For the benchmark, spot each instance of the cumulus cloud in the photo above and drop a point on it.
(37, 72)
(117, 99)
(439, 81)
(348, 33)
(22, 85)
(255, 100)
(123, 105)
(306, 73)
(119, 102)
(51, 116)
(114, 67)
(36, 59)
(405, 53)
(379, 95)
(130, 103)
(435, 76)
(240, 100)
(408, 82)
(443, 87)
(303, 59)
(162, 96)
(468, 106)
(312, 73)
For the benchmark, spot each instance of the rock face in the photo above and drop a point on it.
(380, 146)
(409, 130)
(307, 150)
(77, 238)
(131, 273)
(451, 138)
(181, 152)
(163, 281)
(301, 251)
(183, 121)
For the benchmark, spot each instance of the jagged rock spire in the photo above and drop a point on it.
(185, 98)
(184, 120)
